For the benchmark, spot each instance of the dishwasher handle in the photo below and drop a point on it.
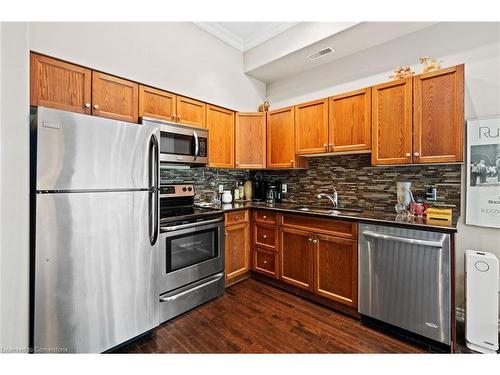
(414, 241)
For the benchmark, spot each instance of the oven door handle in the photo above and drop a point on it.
(212, 279)
(191, 225)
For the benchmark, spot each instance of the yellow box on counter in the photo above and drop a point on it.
(439, 213)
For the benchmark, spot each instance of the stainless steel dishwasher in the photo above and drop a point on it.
(404, 279)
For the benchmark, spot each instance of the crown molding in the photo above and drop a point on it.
(222, 33)
(239, 43)
(267, 34)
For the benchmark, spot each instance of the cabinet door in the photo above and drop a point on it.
(190, 112)
(114, 97)
(250, 140)
(220, 123)
(156, 103)
(57, 84)
(392, 122)
(281, 138)
(311, 127)
(237, 251)
(438, 116)
(296, 255)
(350, 121)
(336, 269)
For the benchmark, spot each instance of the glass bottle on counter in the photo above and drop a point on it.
(242, 190)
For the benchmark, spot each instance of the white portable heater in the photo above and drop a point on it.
(481, 301)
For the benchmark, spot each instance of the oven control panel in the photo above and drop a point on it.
(171, 191)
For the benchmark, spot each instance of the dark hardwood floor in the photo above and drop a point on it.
(253, 317)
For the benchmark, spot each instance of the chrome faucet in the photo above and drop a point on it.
(333, 198)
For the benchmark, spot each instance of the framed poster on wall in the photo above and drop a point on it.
(483, 172)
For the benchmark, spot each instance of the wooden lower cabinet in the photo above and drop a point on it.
(336, 269)
(266, 262)
(236, 252)
(296, 257)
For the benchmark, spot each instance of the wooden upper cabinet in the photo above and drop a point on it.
(296, 255)
(392, 122)
(281, 138)
(311, 127)
(250, 140)
(60, 85)
(336, 269)
(156, 103)
(438, 116)
(114, 97)
(191, 112)
(220, 125)
(350, 121)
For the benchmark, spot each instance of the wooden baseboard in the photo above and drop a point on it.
(347, 310)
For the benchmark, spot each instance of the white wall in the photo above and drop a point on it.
(14, 188)
(476, 45)
(176, 56)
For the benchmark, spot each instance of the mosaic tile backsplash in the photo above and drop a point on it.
(357, 182)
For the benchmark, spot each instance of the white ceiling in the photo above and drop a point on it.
(245, 35)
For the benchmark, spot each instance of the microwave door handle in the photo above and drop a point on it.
(196, 145)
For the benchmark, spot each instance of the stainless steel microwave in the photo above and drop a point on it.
(181, 144)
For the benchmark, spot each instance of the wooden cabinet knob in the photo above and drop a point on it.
(87, 105)
(96, 106)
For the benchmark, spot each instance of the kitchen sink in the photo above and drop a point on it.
(327, 211)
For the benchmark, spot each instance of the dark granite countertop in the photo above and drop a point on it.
(367, 216)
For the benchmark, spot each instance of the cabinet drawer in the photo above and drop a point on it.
(237, 217)
(334, 227)
(265, 236)
(266, 262)
(266, 217)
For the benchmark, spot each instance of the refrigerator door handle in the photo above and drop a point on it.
(153, 192)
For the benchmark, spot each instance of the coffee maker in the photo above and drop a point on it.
(259, 188)
(278, 187)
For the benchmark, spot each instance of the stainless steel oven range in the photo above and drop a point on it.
(191, 252)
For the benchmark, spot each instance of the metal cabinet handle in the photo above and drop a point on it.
(236, 218)
(315, 241)
(213, 279)
(310, 239)
(330, 146)
(96, 106)
(414, 241)
(178, 118)
(265, 262)
(416, 154)
(264, 217)
(226, 234)
(87, 105)
(325, 146)
(264, 236)
(408, 154)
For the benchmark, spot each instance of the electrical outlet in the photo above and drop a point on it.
(221, 189)
(284, 188)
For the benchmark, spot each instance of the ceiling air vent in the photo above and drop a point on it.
(320, 53)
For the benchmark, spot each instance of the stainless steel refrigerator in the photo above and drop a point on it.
(94, 231)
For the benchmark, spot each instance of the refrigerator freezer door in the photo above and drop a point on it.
(96, 282)
(81, 152)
